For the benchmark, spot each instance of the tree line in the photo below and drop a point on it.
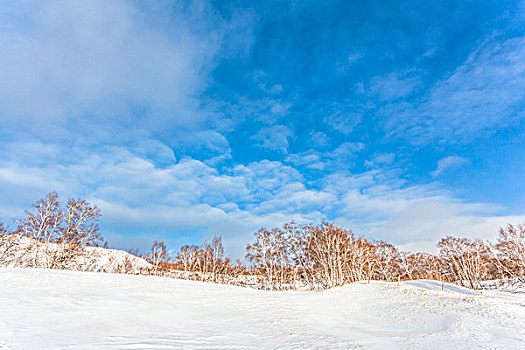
(314, 256)
(325, 256)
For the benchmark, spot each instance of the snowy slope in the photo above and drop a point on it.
(43, 309)
(19, 251)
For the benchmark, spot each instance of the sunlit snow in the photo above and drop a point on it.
(42, 309)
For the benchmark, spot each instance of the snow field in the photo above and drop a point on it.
(49, 309)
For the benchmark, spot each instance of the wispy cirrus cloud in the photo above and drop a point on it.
(485, 93)
(447, 163)
(395, 85)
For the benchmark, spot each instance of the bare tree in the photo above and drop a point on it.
(3, 229)
(216, 252)
(188, 256)
(59, 235)
(269, 255)
(432, 267)
(9, 243)
(362, 260)
(79, 229)
(467, 259)
(510, 252)
(328, 247)
(207, 262)
(158, 257)
(300, 254)
(424, 266)
(43, 225)
(387, 262)
(136, 252)
(80, 223)
(234, 270)
(321, 256)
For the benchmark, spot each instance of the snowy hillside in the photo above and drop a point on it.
(42, 309)
(20, 251)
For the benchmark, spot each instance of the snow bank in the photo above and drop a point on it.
(19, 251)
(41, 309)
(439, 286)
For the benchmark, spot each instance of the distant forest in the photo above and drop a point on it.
(294, 256)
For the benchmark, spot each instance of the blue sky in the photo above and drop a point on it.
(404, 121)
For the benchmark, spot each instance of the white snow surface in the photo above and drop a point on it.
(19, 251)
(51, 309)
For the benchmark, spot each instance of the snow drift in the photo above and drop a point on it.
(42, 309)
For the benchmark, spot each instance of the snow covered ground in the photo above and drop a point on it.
(20, 251)
(44, 309)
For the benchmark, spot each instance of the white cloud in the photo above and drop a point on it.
(267, 110)
(344, 122)
(341, 157)
(101, 67)
(395, 85)
(416, 217)
(276, 89)
(431, 52)
(209, 145)
(341, 115)
(447, 163)
(98, 66)
(319, 138)
(381, 159)
(343, 65)
(309, 159)
(189, 200)
(274, 138)
(485, 93)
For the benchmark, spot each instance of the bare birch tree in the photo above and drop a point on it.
(300, 254)
(328, 246)
(216, 252)
(9, 243)
(78, 229)
(188, 256)
(387, 262)
(158, 257)
(43, 225)
(269, 256)
(467, 259)
(59, 235)
(510, 252)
